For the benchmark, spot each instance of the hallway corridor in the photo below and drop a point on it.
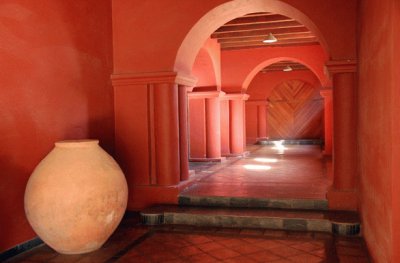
(277, 171)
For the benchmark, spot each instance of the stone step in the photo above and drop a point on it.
(252, 202)
(336, 222)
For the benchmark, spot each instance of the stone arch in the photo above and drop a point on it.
(223, 13)
(316, 68)
(206, 67)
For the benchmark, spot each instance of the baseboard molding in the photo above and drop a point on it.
(20, 248)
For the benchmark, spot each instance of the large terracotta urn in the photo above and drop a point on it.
(76, 197)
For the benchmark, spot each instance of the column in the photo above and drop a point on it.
(328, 120)
(148, 137)
(342, 195)
(262, 121)
(166, 134)
(205, 126)
(213, 128)
(237, 122)
(183, 131)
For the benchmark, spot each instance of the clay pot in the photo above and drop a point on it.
(76, 197)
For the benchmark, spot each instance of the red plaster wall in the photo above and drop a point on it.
(55, 71)
(207, 66)
(140, 43)
(379, 130)
(251, 123)
(131, 121)
(239, 67)
(225, 136)
(197, 128)
(263, 83)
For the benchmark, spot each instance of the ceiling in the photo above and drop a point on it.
(250, 30)
(279, 66)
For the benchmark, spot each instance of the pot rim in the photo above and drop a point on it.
(77, 143)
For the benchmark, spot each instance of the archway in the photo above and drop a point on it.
(221, 14)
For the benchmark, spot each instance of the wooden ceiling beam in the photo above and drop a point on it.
(227, 46)
(276, 31)
(270, 18)
(265, 27)
(261, 38)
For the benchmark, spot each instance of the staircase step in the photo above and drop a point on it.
(336, 222)
(250, 202)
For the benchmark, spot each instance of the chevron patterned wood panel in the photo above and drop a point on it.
(295, 111)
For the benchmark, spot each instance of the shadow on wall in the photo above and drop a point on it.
(12, 204)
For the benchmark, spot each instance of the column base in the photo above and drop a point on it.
(143, 196)
(219, 159)
(342, 199)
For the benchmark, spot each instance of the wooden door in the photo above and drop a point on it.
(295, 111)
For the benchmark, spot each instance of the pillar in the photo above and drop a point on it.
(166, 134)
(328, 120)
(208, 113)
(183, 131)
(262, 121)
(342, 195)
(213, 128)
(149, 116)
(237, 123)
(256, 124)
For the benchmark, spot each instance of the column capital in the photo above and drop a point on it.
(341, 66)
(125, 79)
(235, 96)
(206, 94)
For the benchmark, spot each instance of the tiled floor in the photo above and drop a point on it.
(289, 171)
(135, 243)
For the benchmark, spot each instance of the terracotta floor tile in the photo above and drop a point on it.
(210, 246)
(180, 244)
(299, 173)
(306, 258)
(224, 253)
(285, 251)
(197, 239)
(240, 259)
(264, 256)
(189, 251)
(202, 258)
(307, 246)
(234, 242)
(351, 259)
(269, 244)
(137, 259)
(350, 251)
(247, 249)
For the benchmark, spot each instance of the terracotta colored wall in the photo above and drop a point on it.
(251, 123)
(207, 66)
(237, 73)
(197, 128)
(140, 44)
(55, 68)
(225, 136)
(379, 131)
(263, 83)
